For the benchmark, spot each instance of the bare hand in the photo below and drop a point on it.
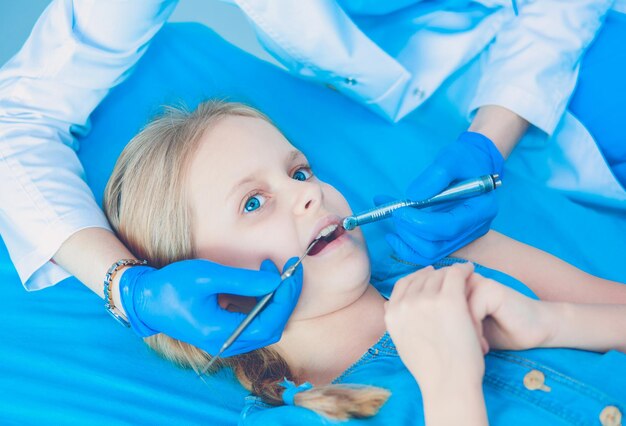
(429, 320)
(508, 319)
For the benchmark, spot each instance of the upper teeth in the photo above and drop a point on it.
(327, 231)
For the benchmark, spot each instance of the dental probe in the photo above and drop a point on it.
(465, 189)
(261, 304)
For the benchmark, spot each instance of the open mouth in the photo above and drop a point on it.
(325, 237)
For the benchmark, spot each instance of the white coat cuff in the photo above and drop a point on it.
(533, 107)
(35, 269)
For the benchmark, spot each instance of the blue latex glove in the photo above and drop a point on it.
(425, 236)
(180, 300)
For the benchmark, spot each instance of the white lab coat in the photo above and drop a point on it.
(394, 62)
(78, 50)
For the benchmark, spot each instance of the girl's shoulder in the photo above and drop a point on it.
(393, 269)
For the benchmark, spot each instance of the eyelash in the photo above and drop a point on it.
(256, 192)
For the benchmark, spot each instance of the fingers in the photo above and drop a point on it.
(449, 224)
(212, 278)
(455, 279)
(479, 295)
(477, 301)
(431, 181)
(450, 281)
(484, 345)
(485, 297)
(414, 280)
(457, 284)
(290, 262)
(268, 266)
(423, 251)
(431, 285)
(404, 251)
(267, 327)
(476, 309)
(289, 291)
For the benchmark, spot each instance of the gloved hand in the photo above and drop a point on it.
(422, 236)
(180, 300)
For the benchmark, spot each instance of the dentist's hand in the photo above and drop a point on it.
(424, 237)
(181, 300)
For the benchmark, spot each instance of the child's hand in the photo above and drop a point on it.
(429, 321)
(507, 319)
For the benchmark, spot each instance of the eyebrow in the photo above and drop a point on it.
(291, 156)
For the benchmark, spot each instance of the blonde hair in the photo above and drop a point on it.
(147, 206)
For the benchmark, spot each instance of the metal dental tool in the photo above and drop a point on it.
(465, 189)
(261, 303)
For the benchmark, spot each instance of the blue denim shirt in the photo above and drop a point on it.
(539, 386)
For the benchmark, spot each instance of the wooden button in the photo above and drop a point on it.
(535, 380)
(611, 416)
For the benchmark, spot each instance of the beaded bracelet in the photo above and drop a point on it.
(108, 296)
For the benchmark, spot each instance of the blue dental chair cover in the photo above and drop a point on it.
(64, 361)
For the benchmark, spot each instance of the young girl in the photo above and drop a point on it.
(222, 183)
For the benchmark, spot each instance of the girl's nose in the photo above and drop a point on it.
(308, 198)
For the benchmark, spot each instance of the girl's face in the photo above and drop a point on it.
(254, 197)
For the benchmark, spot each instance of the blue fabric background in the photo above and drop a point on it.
(599, 97)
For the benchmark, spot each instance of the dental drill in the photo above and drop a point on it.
(465, 189)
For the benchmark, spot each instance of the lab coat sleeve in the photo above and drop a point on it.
(532, 65)
(76, 52)
(317, 41)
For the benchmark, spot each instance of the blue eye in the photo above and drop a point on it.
(253, 203)
(302, 173)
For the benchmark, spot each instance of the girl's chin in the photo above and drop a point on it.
(320, 299)
(340, 270)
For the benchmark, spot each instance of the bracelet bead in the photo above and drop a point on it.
(109, 306)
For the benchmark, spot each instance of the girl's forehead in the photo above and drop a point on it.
(234, 149)
(244, 138)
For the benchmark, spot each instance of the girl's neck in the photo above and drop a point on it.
(320, 349)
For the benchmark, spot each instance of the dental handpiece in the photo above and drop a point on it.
(465, 189)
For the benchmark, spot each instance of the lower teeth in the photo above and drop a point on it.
(324, 241)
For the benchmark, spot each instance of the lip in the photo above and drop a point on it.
(323, 223)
